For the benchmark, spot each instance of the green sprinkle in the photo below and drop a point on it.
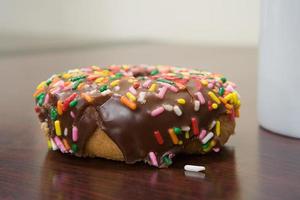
(179, 75)
(221, 91)
(77, 78)
(40, 95)
(103, 88)
(40, 99)
(74, 148)
(118, 75)
(205, 146)
(187, 135)
(167, 160)
(53, 114)
(154, 72)
(165, 81)
(48, 82)
(73, 103)
(76, 84)
(177, 130)
(223, 79)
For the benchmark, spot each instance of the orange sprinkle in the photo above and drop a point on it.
(67, 83)
(180, 86)
(59, 107)
(228, 106)
(237, 113)
(173, 136)
(87, 97)
(128, 103)
(66, 144)
(37, 92)
(80, 86)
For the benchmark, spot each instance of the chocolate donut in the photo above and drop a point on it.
(137, 113)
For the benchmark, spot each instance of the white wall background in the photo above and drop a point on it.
(215, 22)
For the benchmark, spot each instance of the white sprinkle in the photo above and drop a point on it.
(177, 110)
(207, 137)
(117, 88)
(185, 128)
(141, 97)
(194, 168)
(54, 146)
(212, 125)
(168, 107)
(132, 90)
(93, 92)
(106, 92)
(65, 132)
(196, 105)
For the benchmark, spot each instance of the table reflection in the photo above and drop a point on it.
(67, 177)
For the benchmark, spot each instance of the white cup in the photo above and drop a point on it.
(279, 67)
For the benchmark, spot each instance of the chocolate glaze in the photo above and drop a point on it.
(132, 130)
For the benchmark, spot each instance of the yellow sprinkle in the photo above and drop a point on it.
(99, 80)
(87, 97)
(180, 142)
(152, 88)
(105, 73)
(212, 144)
(214, 106)
(181, 101)
(41, 85)
(57, 127)
(80, 86)
(115, 83)
(204, 82)
(131, 96)
(234, 98)
(131, 80)
(238, 103)
(49, 144)
(218, 128)
(187, 135)
(66, 76)
(228, 97)
(214, 97)
(228, 106)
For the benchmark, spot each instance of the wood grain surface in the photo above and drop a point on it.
(255, 164)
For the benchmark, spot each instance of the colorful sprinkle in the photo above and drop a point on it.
(74, 134)
(177, 130)
(173, 136)
(195, 126)
(177, 110)
(202, 134)
(128, 103)
(214, 97)
(153, 159)
(57, 128)
(181, 101)
(54, 146)
(196, 105)
(168, 107)
(158, 137)
(59, 144)
(157, 111)
(162, 92)
(214, 106)
(141, 97)
(207, 137)
(218, 128)
(152, 87)
(200, 97)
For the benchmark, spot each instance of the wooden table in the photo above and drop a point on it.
(254, 165)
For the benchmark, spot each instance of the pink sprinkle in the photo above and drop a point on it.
(153, 159)
(146, 84)
(72, 114)
(210, 85)
(157, 111)
(200, 97)
(132, 90)
(46, 99)
(58, 83)
(229, 88)
(162, 92)
(173, 88)
(75, 133)
(202, 134)
(216, 149)
(59, 144)
(57, 90)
